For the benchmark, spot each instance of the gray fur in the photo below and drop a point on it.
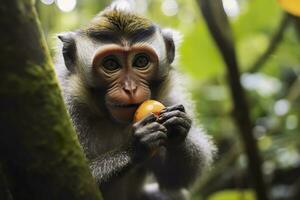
(106, 143)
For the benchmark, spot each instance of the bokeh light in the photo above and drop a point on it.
(47, 2)
(281, 107)
(141, 6)
(169, 7)
(231, 7)
(263, 84)
(291, 122)
(66, 5)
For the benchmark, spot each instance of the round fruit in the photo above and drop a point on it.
(147, 107)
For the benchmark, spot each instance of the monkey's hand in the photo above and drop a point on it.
(178, 124)
(148, 137)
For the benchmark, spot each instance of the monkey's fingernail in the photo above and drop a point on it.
(162, 115)
(163, 110)
(151, 116)
(160, 118)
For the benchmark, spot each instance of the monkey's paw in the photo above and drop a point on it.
(148, 137)
(178, 124)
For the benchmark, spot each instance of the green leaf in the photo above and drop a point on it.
(199, 55)
(233, 195)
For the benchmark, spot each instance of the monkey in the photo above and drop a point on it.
(106, 70)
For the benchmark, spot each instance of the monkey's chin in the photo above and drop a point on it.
(122, 114)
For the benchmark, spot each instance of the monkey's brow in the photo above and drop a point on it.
(105, 36)
(109, 36)
(142, 34)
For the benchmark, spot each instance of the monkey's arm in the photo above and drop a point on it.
(110, 165)
(181, 165)
(186, 155)
(147, 135)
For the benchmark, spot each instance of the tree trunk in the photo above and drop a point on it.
(39, 151)
(5, 194)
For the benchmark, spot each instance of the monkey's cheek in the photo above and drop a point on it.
(123, 115)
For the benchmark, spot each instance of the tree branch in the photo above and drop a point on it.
(274, 42)
(205, 183)
(219, 27)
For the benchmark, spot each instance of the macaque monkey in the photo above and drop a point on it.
(106, 70)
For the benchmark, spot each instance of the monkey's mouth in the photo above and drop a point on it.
(120, 105)
(122, 112)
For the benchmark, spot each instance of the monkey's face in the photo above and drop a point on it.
(122, 55)
(126, 73)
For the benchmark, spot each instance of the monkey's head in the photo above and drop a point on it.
(120, 58)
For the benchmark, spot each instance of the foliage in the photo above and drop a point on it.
(233, 195)
(273, 92)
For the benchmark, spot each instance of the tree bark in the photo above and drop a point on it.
(39, 151)
(5, 193)
(219, 27)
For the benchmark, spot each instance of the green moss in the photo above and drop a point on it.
(45, 159)
(5, 194)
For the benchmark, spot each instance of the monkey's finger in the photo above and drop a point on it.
(176, 113)
(148, 119)
(156, 144)
(154, 141)
(154, 148)
(150, 138)
(179, 107)
(183, 120)
(155, 126)
(177, 121)
(149, 128)
(179, 132)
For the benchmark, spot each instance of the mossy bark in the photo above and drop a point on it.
(40, 155)
(5, 193)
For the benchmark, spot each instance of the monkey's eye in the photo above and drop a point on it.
(110, 63)
(141, 61)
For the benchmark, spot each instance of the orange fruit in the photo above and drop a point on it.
(290, 6)
(147, 107)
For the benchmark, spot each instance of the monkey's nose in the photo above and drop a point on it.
(130, 87)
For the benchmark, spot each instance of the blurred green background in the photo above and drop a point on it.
(273, 91)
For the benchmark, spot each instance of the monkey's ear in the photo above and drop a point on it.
(172, 40)
(68, 49)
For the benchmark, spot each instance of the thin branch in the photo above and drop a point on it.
(296, 23)
(294, 91)
(227, 159)
(218, 24)
(274, 42)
